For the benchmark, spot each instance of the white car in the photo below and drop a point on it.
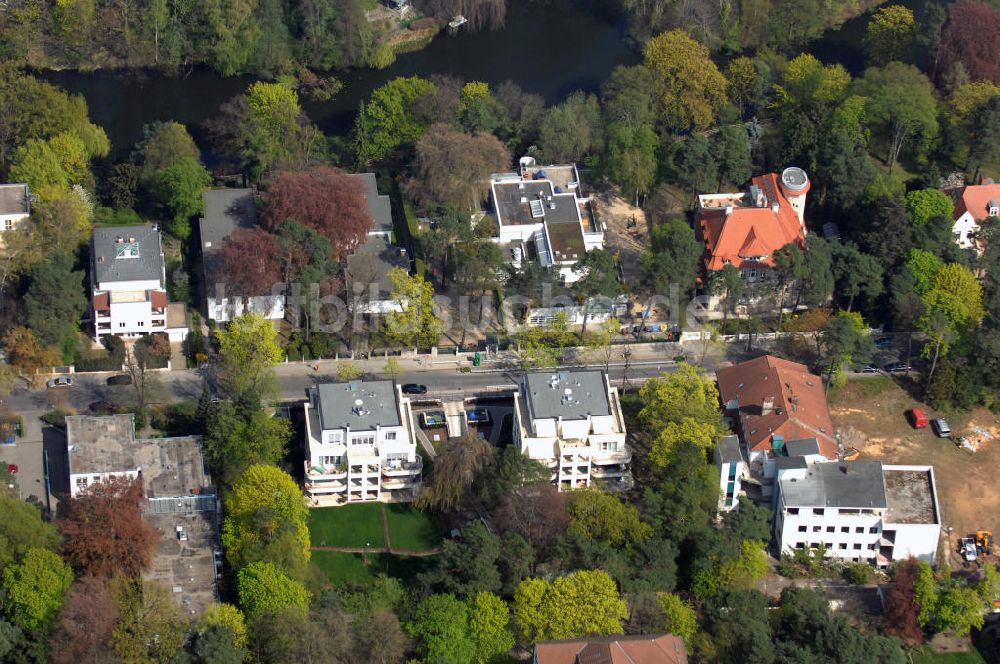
(61, 381)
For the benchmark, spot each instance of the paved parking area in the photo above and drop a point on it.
(28, 454)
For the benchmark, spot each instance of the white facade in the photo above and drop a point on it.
(78, 482)
(964, 228)
(223, 309)
(732, 471)
(375, 463)
(578, 449)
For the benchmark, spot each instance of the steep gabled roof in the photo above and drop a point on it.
(637, 649)
(975, 199)
(799, 408)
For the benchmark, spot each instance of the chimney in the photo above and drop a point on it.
(767, 406)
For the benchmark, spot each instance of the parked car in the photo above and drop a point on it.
(870, 369)
(898, 367)
(59, 381)
(413, 388)
(120, 379)
(967, 546)
(917, 418)
(883, 343)
(941, 428)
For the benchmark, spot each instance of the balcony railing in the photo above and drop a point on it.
(608, 471)
(326, 472)
(397, 468)
(610, 457)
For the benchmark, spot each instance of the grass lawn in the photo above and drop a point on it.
(928, 656)
(350, 525)
(409, 528)
(349, 569)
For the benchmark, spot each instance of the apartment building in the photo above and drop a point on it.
(732, 469)
(572, 421)
(861, 511)
(360, 444)
(129, 281)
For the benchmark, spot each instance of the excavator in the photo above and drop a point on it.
(984, 542)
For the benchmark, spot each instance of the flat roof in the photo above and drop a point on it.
(560, 175)
(728, 449)
(512, 200)
(379, 206)
(14, 199)
(566, 241)
(339, 406)
(186, 567)
(851, 485)
(126, 253)
(370, 264)
(225, 211)
(911, 496)
(572, 395)
(802, 447)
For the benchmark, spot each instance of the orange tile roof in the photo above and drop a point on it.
(750, 230)
(639, 649)
(799, 409)
(975, 199)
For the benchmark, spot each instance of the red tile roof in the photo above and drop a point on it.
(102, 301)
(975, 199)
(158, 299)
(640, 649)
(799, 409)
(749, 230)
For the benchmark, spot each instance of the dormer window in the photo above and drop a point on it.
(993, 207)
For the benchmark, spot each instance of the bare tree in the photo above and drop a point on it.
(455, 468)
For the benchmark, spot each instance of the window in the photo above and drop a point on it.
(9, 224)
(873, 547)
(818, 511)
(390, 435)
(816, 529)
(802, 529)
(845, 529)
(857, 546)
(336, 437)
(793, 510)
(140, 323)
(859, 530)
(367, 439)
(994, 212)
(121, 324)
(81, 483)
(873, 530)
(842, 546)
(830, 529)
(800, 545)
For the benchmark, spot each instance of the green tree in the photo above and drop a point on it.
(856, 273)
(38, 164)
(441, 624)
(628, 97)
(262, 587)
(683, 393)
(55, 301)
(728, 282)
(732, 152)
(890, 35)
(489, 627)
(843, 341)
(468, 566)
(24, 529)
(572, 130)
(631, 157)
(674, 434)
(743, 83)
(696, 164)
(679, 617)
(960, 608)
(34, 588)
(925, 204)
(925, 592)
(221, 614)
(72, 155)
(691, 88)
(599, 279)
(583, 603)
(417, 324)
(234, 442)
(151, 625)
(266, 520)
(164, 144)
(671, 258)
(603, 516)
(388, 119)
(249, 349)
(178, 189)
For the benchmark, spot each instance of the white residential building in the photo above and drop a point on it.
(15, 206)
(974, 204)
(367, 268)
(732, 471)
(360, 444)
(572, 421)
(861, 510)
(129, 280)
(542, 215)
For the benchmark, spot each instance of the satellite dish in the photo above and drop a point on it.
(568, 391)
(359, 402)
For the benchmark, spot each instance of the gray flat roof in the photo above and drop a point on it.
(827, 485)
(14, 199)
(339, 407)
(728, 449)
(513, 212)
(566, 240)
(126, 253)
(379, 206)
(911, 496)
(572, 395)
(225, 211)
(370, 264)
(802, 447)
(186, 567)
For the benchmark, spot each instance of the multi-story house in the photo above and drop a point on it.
(974, 204)
(360, 444)
(542, 215)
(572, 422)
(128, 279)
(860, 511)
(15, 206)
(732, 469)
(367, 269)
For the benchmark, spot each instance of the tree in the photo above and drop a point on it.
(212, 645)
(890, 35)
(151, 626)
(536, 512)
(683, 393)
(674, 434)
(234, 442)
(691, 88)
(382, 640)
(262, 586)
(952, 304)
(38, 164)
(960, 608)
(856, 273)
(508, 471)
(163, 144)
(583, 603)
(249, 349)
(266, 520)
(104, 529)
(417, 324)
(468, 566)
(696, 164)
(478, 110)
(729, 283)
(599, 279)
(453, 168)
(220, 614)
(34, 588)
(325, 199)
(250, 261)
(489, 630)
(388, 119)
(455, 468)
(572, 130)
(925, 592)
(844, 340)
(672, 258)
(679, 618)
(631, 157)
(177, 189)
(602, 516)
(26, 353)
(925, 204)
(55, 301)
(347, 371)
(86, 624)
(965, 39)
(24, 529)
(627, 97)
(137, 360)
(901, 107)
(441, 625)
(743, 83)
(732, 152)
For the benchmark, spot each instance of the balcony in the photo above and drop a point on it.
(611, 457)
(397, 469)
(325, 472)
(608, 471)
(400, 483)
(325, 488)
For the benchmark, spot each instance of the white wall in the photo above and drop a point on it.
(829, 529)
(964, 226)
(271, 307)
(137, 285)
(93, 478)
(919, 540)
(131, 318)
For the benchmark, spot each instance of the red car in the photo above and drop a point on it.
(917, 418)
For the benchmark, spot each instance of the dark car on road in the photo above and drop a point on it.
(883, 342)
(898, 367)
(120, 379)
(413, 388)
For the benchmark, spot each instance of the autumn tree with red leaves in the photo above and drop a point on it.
(901, 608)
(250, 262)
(86, 623)
(104, 530)
(453, 168)
(969, 38)
(324, 199)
